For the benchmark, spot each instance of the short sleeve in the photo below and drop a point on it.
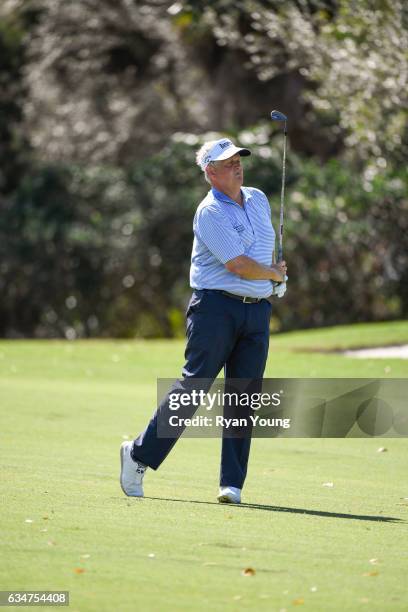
(260, 195)
(216, 231)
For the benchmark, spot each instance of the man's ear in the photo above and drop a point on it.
(211, 171)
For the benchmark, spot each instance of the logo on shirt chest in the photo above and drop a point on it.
(239, 228)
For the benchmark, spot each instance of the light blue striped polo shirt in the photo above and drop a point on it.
(223, 230)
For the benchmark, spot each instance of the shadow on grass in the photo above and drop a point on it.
(340, 515)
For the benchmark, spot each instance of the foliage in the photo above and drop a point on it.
(104, 251)
(347, 244)
(105, 78)
(105, 81)
(13, 143)
(98, 251)
(345, 241)
(62, 243)
(340, 67)
(102, 106)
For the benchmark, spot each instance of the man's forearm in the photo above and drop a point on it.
(249, 269)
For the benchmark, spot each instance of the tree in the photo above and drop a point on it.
(103, 104)
(116, 79)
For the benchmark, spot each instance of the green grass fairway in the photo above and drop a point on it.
(65, 524)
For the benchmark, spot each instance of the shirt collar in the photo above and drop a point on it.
(219, 195)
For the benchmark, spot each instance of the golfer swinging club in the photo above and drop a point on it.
(228, 315)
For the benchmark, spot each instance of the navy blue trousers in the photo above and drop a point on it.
(221, 333)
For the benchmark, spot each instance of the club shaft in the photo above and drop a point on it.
(282, 199)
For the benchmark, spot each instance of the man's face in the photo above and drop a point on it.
(227, 175)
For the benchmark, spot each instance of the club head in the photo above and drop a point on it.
(278, 116)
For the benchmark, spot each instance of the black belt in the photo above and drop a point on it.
(241, 298)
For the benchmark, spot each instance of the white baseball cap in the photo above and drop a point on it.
(222, 149)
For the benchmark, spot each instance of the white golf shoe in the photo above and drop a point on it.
(131, 472)
(229, 495)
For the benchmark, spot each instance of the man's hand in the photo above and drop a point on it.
(281, 269)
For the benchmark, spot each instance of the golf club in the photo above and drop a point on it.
(278, 116)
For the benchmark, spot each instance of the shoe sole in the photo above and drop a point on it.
(224, 499)
(122, 451)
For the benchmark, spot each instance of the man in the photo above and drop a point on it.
(228, 315)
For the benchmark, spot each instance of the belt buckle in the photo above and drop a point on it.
(247, 300)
